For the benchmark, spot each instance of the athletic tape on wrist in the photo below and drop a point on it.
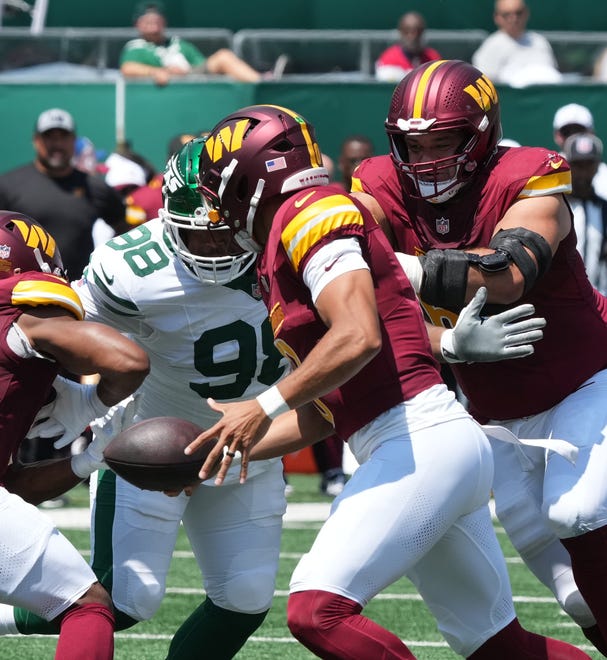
(272, 402)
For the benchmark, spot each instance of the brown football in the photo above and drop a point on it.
(150, 455)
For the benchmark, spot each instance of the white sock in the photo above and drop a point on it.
(7, 620)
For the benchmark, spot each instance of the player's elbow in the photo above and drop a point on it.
(365, 345)
(135, 365)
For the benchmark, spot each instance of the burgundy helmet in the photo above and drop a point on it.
(26, 245)
(252, 155)
(443, 95)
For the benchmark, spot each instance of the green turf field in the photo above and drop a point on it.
(398, 608)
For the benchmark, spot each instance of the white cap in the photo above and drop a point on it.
(123, 172)
(573, 113)
(55, 118)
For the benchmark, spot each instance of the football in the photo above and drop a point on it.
(150, 455)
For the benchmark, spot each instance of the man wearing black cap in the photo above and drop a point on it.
(66, 201)
(584, 152)
(63, 199)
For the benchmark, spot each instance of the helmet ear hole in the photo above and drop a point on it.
(242, 188)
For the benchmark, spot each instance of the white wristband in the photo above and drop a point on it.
(272, 402)
(447, 348)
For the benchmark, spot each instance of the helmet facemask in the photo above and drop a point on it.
(203, 243)
(436, 180)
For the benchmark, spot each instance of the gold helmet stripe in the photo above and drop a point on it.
(422, 87)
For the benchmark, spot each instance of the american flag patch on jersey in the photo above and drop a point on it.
(276, 164)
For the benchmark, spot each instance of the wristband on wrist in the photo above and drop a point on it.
(272, 402)
(447, 348)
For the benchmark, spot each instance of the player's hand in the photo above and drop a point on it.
(241, 427)
(117, 418)
(71, 411)
(503, 336)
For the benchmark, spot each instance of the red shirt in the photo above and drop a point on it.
(395, 56)
(143, 204)
(574, 346)
(25, 383)
(404, 367)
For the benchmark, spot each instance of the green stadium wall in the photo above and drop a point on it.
(154, 115)
(325, 14)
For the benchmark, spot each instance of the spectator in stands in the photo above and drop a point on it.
(575, 118)
(354, 149)
(411, 51)
(154, 54)
(584, 152)
(66, 201)
(514, 55)
(599, 71)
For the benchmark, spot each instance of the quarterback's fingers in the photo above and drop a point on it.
(244, 466)
(212, 460)
(213, 432)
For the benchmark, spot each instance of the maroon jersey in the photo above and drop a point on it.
(404, 367)
(575, 338)
(25, 383)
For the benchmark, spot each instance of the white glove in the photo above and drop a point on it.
(498, 337)
(68, 415)
(413, 269)
(117, 418)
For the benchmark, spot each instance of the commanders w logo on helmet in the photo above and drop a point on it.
(252, 155)
(25, 245)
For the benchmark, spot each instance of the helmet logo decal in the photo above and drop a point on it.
(276, 164)
(229, 137)
(483, 92)
(34, 236)
(172, 178)
(5, 251)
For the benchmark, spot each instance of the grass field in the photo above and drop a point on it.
(398, 608)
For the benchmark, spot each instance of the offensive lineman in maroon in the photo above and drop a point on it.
(465, 213)
(41, 330)
(348, 319)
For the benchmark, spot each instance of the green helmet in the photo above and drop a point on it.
(205, 248)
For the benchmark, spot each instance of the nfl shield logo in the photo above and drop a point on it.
(5, 251)
(442, 225)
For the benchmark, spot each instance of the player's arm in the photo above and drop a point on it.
(475, 338)
(529, 234)
(82, 347)
(43, 480)
(348, 309)
(519, 253)
(40, 481)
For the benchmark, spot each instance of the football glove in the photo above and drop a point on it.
(499, 337)
(117, 418)
(68, 415)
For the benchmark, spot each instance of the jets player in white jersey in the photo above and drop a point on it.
(206, 332)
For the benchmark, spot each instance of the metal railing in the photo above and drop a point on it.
(309, 51)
